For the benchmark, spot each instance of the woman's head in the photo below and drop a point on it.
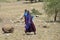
(28, 12)
(25, 10)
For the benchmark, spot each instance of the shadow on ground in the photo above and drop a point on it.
(53, 21)
(28, 2)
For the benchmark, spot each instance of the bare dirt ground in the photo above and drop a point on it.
(11, 12)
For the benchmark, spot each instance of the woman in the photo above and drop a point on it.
(29, 25)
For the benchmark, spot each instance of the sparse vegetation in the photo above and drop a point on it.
(52, 8)
(35, 12)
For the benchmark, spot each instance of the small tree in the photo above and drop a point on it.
(52, 8)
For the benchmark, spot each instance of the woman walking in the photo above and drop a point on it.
(29, 25)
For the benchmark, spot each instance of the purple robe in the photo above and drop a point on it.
(29, 27)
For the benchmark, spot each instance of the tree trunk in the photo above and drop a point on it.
(55, 18)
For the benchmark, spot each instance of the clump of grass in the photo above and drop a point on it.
(18, 0)
(35, 12)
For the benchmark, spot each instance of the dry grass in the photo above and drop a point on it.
(10, 12)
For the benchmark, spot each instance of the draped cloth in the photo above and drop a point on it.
(29, 25)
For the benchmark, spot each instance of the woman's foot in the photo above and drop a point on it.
(34, 33)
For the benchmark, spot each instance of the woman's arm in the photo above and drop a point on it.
(22, 17)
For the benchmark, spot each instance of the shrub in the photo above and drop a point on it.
(35, 12)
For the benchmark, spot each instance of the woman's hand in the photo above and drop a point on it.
(21, 18)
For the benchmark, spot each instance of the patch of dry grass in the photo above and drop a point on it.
(12, 11)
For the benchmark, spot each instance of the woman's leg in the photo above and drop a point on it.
(33, 27)
(34, 33)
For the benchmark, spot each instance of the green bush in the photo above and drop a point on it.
(35, 12)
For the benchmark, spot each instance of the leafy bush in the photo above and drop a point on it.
(35, 12)
(52, 8)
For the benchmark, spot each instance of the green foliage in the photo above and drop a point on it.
(35, 12)
(51, 6)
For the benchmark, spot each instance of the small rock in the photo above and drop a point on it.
(45, 26)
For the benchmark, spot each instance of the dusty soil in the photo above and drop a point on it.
(10, 13)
